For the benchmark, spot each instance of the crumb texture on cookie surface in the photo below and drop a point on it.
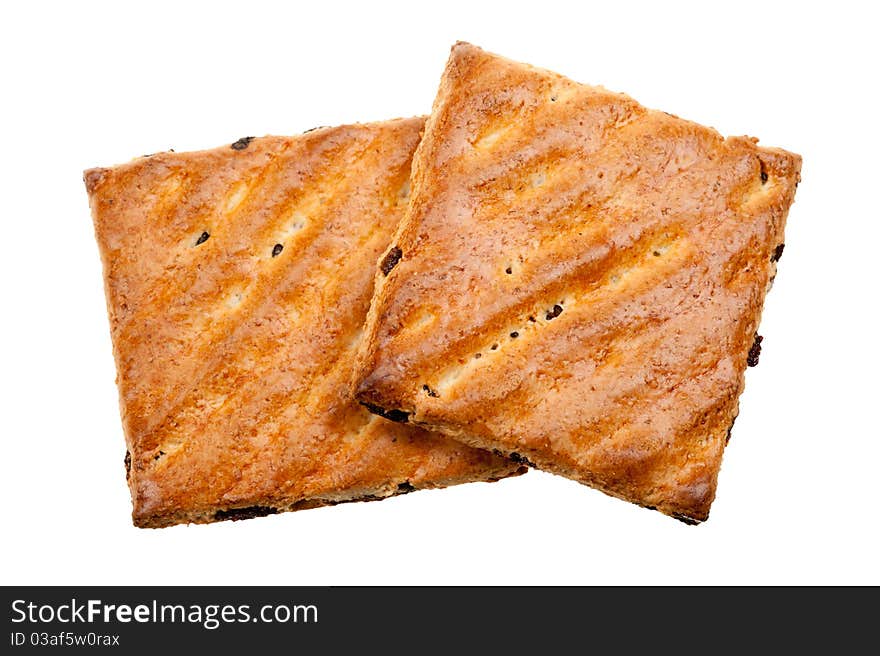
(237, 283)
(581, 282)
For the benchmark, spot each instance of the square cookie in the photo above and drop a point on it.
(577, 282)
(237, 281)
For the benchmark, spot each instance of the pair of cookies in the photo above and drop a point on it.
(544, 273)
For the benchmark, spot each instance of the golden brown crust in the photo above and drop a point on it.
(237, 283)
(579, 281)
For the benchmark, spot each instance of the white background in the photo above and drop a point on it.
(87, 84)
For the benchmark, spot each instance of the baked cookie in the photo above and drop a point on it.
(577, 282)
(237, 283)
